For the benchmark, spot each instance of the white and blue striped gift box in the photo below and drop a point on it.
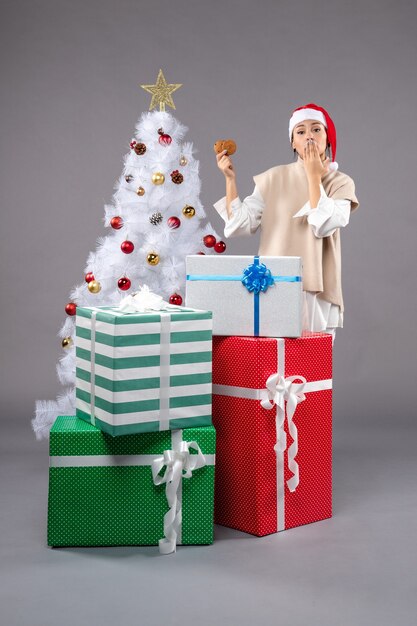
(143, 372)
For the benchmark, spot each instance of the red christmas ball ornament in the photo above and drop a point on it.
(164, 139)
(175, 299)
(219, 247)
(127, 247)
(174, 222)
(89, 277)
(201, 253)
(71, 308)
(124, 283)
(209, 241)
(116, 222)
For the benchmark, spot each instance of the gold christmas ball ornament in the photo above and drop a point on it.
(94, 286)
(188, 211)
(66, 342)
(140, 191)
(158, 178)
(183, 160)
(153, 258)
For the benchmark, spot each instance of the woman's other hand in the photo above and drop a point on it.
(315, 168)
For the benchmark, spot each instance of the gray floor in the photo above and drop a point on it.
(357, 568)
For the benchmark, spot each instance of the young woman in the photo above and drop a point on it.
(300, 208)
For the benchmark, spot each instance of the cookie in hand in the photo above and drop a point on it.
(225, 144)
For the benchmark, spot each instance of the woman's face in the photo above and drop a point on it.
(306, 131)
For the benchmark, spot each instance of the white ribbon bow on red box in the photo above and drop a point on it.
(279, 391)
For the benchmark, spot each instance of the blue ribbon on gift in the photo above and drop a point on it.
(256, 278)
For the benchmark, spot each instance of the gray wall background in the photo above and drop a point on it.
(70, 98)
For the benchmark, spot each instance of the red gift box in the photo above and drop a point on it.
(272, 410)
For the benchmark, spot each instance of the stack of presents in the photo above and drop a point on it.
(216, 412)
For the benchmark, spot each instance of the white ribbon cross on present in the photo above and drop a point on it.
(280, 390)
(178, 464)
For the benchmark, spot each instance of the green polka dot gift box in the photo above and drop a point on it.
(143, 371)
(141, 489)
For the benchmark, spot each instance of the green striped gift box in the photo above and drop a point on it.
(143, 372)
(102, 492)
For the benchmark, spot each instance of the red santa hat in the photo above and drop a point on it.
(313, 112)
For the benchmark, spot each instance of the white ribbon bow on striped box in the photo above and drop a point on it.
(144, 300)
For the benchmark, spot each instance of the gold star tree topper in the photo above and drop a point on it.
(161, 92)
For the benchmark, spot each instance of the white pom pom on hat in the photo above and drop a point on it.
(314, 112)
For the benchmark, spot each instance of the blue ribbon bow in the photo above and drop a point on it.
(257, 277)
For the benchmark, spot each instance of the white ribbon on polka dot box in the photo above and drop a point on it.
(272, 410)
(141, 489)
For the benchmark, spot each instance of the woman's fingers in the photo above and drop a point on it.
(222, 158)
(307, 150)
(311, 150)
(225, 163)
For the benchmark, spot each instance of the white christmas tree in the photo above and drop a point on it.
(155, 220)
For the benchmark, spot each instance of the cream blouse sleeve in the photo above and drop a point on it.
(329, 214)
(246, 216)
